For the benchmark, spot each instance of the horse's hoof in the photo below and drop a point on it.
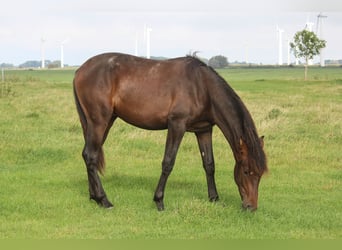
(106, 203)
(103, 202)
(214, 199)
(160, 205)
(109, 208)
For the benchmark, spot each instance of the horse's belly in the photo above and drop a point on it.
(143, 117)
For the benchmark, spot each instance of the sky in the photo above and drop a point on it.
(238, 30)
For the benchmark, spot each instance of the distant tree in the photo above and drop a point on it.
(306, 45)
(218, 62)
(33, 64)
(6, 65)
(54, 64)
(30, 64)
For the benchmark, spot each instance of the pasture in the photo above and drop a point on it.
(44, 187)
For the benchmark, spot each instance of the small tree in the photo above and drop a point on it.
(307, 45)
(218, 62)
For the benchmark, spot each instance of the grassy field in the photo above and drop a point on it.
(43, 182)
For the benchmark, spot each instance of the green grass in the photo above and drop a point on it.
(43, 182)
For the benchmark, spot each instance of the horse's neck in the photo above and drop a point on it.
(229, 115)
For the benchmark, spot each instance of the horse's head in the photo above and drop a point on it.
(247, 174)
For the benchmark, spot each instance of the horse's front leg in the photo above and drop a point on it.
(176, 130)
(204, 140)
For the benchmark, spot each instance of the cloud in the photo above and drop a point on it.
(213, 27)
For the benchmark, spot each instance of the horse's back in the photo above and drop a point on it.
(143, 92)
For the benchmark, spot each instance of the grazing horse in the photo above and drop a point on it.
(180, 95)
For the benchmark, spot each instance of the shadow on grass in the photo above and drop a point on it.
(140, 189)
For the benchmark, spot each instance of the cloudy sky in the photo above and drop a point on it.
(225, 27)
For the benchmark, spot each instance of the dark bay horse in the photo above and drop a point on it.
(179, 95)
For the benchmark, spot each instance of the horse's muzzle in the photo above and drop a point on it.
(249, 207)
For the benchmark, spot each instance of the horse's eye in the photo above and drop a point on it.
(245, 172)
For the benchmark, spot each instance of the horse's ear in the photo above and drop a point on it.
(243, 149)
(262, 141)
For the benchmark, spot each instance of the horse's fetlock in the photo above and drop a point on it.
(158, 196)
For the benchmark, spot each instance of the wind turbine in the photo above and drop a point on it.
(246, 52)
(148, 42)
(297, 59)
(280, 45)
(320, 25)
(309, 27)
(147, 38)
(288, 50)
(136, 44)
(62, 51)
(43, 40)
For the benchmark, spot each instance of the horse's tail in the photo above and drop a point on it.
(83, 120)
(80, 112)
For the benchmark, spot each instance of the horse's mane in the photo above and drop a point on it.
(250, 135)
(193, 60)
(255, 150)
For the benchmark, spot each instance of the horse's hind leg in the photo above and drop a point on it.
(94, 160)
(205, 145)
